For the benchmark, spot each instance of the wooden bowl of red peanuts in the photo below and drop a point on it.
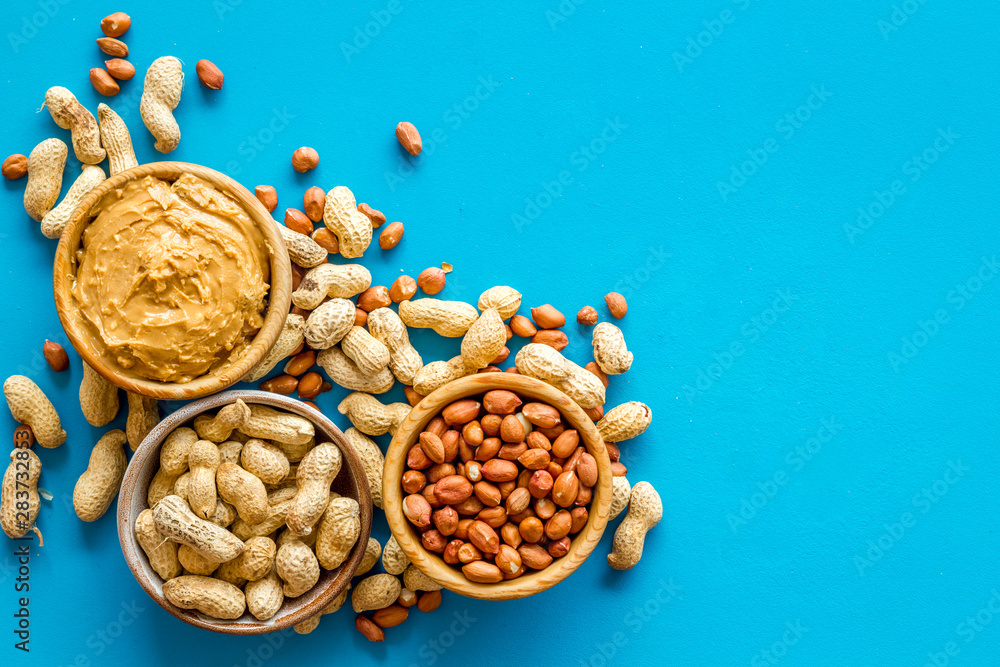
(497, 486)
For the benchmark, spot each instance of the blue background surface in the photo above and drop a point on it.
(810, 517)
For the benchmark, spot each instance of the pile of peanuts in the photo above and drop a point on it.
(241, 514)
(349, 328)
(498, 464)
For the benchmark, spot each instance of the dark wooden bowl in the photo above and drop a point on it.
(431, 563)
(278, 299)
(351, 483)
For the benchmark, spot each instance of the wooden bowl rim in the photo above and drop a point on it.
(132, 500)
(279, 293)
(430, 563)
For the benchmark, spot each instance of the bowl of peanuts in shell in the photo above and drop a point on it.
(497, 486)
(245, 513)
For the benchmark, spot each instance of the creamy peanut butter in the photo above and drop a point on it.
(171, 278)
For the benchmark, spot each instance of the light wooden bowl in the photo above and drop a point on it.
(278, 299)
(431, 563)
(351, 483)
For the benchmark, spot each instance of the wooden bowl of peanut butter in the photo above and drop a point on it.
(172, 280)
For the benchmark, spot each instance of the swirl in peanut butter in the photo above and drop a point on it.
(172, 278)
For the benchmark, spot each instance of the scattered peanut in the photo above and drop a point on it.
(303, 250)
(394, 559)
(267, 196)
(103, 82)
(29, 405)
(416, 580)
(446, 318)
(547, 364)
(484, 340)
(113, 47)
(70, 115)
(116, 25)
(402, 289)
(338, 281)
(304, 159)
(370, 354)
(587, 315)
(620, 492)
(45, 171)
(506, 300)
(20, 481)
(645, 511)
(291, 337)
(404, 360)
(352, 228)
(55, 354)
(116, 140)
(431, 280)
(99, 483)
(344, 372)
(376, 216)
(209, 74)
(616, 305)
(14, 167)
(55, 221)
(161, 94)
(409, 138)
(375, 592)
(120, 69)
(610, 351)
(439, 373)
(391, 236)
(625, 421)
